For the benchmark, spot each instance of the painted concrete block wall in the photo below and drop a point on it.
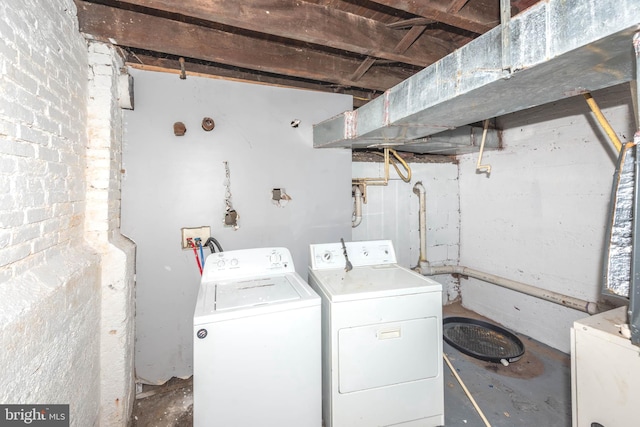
(540, 217)
(49, 279)
(172, 182)
(392, 212)
(102, 231)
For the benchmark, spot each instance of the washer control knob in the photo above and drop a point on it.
(221, 263)
(275, 257)
(234, 262)
(327, 256)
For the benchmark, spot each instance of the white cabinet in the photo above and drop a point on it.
(605, 372)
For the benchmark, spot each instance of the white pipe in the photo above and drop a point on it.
(419, 190)
(426, 269)
(575, 303)
(357, 219)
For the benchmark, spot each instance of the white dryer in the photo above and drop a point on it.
(381, 338)
(256, 350)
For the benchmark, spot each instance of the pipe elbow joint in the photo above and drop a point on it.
(424, 268)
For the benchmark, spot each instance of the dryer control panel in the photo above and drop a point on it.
(247, 263)
(326, 256)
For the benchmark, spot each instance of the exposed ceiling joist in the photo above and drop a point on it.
(438, 12)
(456, 6)
(359, 47)
(134, 29)
(410, 37)
(308, 23)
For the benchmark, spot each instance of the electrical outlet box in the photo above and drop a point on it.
(203, 233)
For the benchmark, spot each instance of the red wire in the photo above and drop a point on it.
(195, 252)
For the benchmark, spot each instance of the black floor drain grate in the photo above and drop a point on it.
(482, 340)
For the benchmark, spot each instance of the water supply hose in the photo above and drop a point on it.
(195, 252)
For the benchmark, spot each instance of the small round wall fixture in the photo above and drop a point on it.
(208, 124)
(179, 129)
(482, 340)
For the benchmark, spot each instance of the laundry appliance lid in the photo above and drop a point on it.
(250, 293)
(374, 281)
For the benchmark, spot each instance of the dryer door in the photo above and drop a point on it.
(388, 353)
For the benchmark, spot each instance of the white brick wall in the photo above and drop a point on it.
(540, 218)
(104, 162)
(392, 212)
(49, 280)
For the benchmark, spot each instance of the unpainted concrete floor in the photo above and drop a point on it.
(534, 391)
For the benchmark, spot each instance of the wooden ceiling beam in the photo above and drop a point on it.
(148, 62)
(137, 30)
(409, 38)
(305, 22)
(408, 23)
(438, 11)
(456, 6)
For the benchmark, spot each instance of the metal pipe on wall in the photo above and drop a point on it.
(426, 269)
(555, 297)
(357, 215)
(420, 191)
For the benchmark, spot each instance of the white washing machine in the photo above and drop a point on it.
(256, 350)
(381, 338)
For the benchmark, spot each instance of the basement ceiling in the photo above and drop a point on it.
(356, 47)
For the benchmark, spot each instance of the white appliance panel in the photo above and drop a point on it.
(330, 256)
(249, 293)
(242, 263)
(257, 343)
(260, 371)
(358, 307)
(373, 282)
(605, 372)
(387, 354)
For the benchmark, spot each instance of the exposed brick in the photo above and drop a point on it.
(7, 165)
(26, 233)
(11, 219)
(37, 214)
(14, 253)
(5, 238)
(16, 148)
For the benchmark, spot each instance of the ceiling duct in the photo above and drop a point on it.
(557, 49)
